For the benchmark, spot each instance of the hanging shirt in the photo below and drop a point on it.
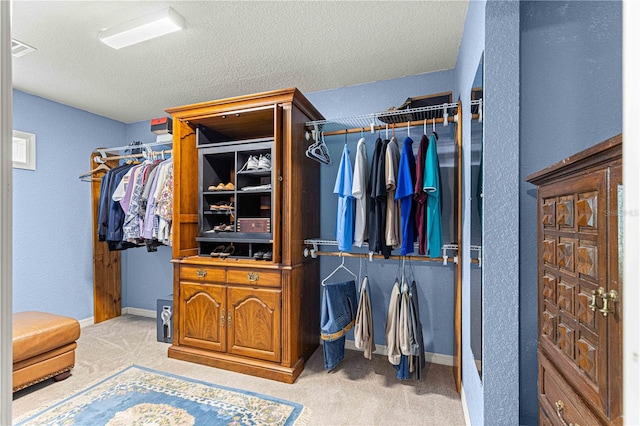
(377, 198)
(404, 194)
(344, 217)
(420, 197)
(391, 331)
(359, 192)
(431, 185)
(393, 238)
(415, 332)
(363, 332)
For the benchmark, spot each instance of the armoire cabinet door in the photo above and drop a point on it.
(573, 265)
(254, 322)
(203, 316)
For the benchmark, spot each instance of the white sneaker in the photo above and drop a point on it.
(251, 164)
(264, 163)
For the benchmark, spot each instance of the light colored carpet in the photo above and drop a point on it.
(359, 392)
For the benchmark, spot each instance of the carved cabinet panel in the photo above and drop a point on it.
(579, 314)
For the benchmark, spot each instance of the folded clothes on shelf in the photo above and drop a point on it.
(266, 187)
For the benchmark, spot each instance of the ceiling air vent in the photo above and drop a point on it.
(19, 48)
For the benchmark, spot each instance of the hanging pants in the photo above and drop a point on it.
(339, 306)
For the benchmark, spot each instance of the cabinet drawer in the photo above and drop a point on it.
(249, 276)
(559, 400)
(201, 273)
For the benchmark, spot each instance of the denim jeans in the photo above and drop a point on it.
(339, 305)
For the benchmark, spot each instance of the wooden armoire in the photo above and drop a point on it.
(245, 199)
(580, 287)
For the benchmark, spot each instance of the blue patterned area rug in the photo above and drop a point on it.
(141, 396)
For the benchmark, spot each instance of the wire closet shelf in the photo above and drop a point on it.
(380, 120)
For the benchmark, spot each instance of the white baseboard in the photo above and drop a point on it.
(87, 321)
(149, 313)
(130, 311)
(429, 356)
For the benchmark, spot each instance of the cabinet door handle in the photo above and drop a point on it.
(229, 321)
(559, 412)
(253, 277)
(222, 318)
(201, 273)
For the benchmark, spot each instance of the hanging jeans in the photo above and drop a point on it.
(339, 305)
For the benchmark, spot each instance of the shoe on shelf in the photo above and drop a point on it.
(251, 164)
(264, 162)
(220, 205)
(228, 251)
(258, 255)
(216, 251)
(268, 255)
(218, 187)
(220, 228)
(228, 187)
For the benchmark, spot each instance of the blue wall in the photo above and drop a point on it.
(52, 254)
(571, 99)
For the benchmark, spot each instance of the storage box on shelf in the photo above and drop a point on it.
(245, 297)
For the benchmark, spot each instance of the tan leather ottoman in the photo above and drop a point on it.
(43, 347)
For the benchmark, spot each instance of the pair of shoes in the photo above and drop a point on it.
(222, 205)
(251, 164)
(222, 251)
(222, 187)
(264, 255)
(224, 228)
(264, 162)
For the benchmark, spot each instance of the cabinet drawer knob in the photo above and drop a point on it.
(559, 412)
(253, 277)
(201, 273)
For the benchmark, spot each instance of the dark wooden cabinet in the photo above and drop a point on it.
(255, 316)
(579, 287)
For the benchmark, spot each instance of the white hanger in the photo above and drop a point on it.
(318, 150)
(445, 116)
(87, 177)
(341, 266)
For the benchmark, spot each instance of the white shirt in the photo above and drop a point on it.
(359, 192)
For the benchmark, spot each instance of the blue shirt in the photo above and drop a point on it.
(431, 185)
(344, 217)
(404, 193)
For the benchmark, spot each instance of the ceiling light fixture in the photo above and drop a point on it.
(144, 28)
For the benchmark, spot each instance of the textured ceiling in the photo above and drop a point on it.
(229, 48)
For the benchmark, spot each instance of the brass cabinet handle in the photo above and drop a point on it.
(229, 321)
(253, 277)
(201, 273)
(559, 410)
(222, 318)
(606, 298)
(594, 298)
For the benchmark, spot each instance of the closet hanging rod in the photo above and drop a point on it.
(103, 151)
(379, 256)
(398, 126)
(369, 121)
(101, 160)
